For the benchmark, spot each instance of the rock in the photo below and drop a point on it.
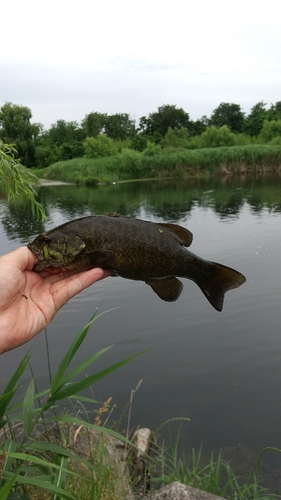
(104, 451)
(178, 491)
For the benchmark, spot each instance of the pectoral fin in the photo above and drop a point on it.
(168, 289)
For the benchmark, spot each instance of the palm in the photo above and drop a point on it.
(28, 301)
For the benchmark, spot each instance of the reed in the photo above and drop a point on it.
(130, 164)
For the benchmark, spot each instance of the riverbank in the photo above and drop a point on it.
(131, 165)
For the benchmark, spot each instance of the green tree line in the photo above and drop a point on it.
(167, 129)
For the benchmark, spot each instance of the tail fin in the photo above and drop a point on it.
(221, 280)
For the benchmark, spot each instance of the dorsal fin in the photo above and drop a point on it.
(184, 234)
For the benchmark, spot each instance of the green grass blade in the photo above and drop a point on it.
(10, 389)
(28, 408)
(52, 447)
(92, 379)
(60, 473)
(82, 367)
(103, 430)
(9, 446)
(5, 490)
(59, 378)
(47, 486)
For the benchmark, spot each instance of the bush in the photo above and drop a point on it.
(46, 154)
(176, 138)
(152, 149)
(271, 131)
(215, 137)
(91, 181)
(100, 146)
(129, 164)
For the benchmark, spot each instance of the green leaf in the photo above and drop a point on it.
(79, 421)
(60, 473)
(80, 368)
(15, 495)
(9, 446)
(47, 486)
(59, 379)
(5, 490)
(10, 389)
(28, 408)
(91, 379)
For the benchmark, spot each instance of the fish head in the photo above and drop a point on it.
(55, 249)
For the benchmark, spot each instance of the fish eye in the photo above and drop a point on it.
(46, 239)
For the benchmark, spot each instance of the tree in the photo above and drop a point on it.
(228, 114)
(119, 126)
(158, 123)
(274, 112)
(197, 127)
(254, 121)
(16, 128)
(93, 124)
(16, 181)
(63, 132)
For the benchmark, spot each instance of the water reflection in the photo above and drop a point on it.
(168, 200)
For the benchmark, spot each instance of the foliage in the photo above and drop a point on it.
(228, 114)
(65, 140)
(176, 138)
(152, 149)
(16, 128)
(93, 124)
(100, 146)
(138, 142)
(270, 130)
(254, 121)
(214, 475)
(46, 154)
(157, 124)
(63, 132)
(44, 464)
(215, 137)
(274, 112)
(133, 165)
(16, 181)
(129, 164)
(119, 126)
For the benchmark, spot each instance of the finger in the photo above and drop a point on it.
(22, 258)
(66, 288)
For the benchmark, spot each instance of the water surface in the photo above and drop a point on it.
(221, 370)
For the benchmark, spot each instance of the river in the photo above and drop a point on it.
(220, 370)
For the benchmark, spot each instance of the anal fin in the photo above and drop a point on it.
(168, 289)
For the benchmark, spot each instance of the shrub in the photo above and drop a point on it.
(271, 131)
(97, 147)
(214, 137)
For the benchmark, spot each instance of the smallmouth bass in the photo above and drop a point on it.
(134, 249)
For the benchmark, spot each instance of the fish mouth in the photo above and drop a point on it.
(37, 252)
(39, 263)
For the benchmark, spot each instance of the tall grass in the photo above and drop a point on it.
(27, 460)
(130, 164)
(40, 451)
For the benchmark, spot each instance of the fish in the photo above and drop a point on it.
(153, 252)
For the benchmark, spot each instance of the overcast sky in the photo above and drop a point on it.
(64, 59)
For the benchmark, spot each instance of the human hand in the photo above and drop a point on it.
(29, 301)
